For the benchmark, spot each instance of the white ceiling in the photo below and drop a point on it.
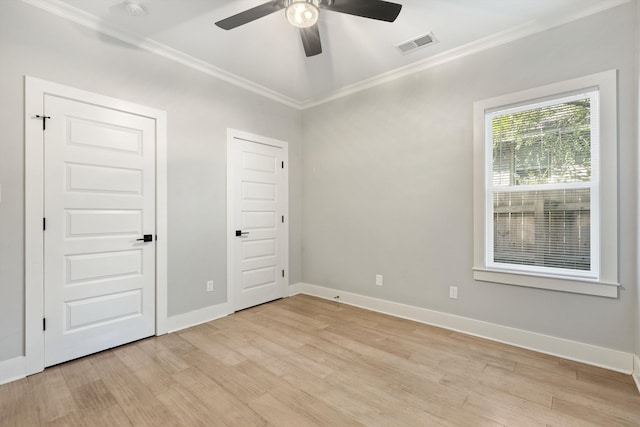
(268, 52)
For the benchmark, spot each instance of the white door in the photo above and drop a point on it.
(259, 215)
(99, 200)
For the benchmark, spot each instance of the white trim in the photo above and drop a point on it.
(197, 317)
(35, 89)
(96, 23)
(34, 243)
(294, 289)
(232, 136)
(12, 370)
(162, 223)
(491, 189)
(607, 188)
(93, 22)
(614, 360)
(564, 284)
(636, 371)
(489, 42)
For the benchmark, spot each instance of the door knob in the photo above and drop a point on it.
(146, 238)
(241, 233)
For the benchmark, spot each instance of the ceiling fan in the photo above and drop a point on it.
(304, 15)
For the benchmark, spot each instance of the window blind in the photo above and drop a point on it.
(541, 184)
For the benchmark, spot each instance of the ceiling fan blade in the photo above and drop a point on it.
(373, 9)
(311, 40)
(250, 15)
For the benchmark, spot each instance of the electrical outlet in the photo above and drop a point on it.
(378, 279)
(453, 292)
(209, 285)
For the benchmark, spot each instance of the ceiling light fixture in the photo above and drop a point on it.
(135, 8)
(302, 14)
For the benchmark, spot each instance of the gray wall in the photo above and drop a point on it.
(387, 172)
(638, 169)
(387, 184)
(199, 107)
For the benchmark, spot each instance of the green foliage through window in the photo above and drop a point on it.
(547, 147)
(551, 144)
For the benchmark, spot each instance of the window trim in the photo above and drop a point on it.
(593, 94)
(605, 177)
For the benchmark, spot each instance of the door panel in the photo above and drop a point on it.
(258, 209)
(100, 179)
(258, 191)
(259, 220)
(259, 249)
(105, 265)
(89, 312)
(99, 199)
(106, 223)
(104, 135)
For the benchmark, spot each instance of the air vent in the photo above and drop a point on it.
(417, 43)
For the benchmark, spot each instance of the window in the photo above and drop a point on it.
(545, 187)
(540, 186)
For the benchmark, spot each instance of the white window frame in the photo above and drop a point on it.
(592, 185)
(602, 280)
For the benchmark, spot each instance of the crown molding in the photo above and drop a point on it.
(93, 22)
(485, 43)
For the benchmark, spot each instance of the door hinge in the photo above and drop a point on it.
(282, 273)
(282, 165)
(44, 224)
(283, 219)
(44, 323)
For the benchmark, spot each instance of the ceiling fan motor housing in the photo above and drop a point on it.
(302, 13)
(316, 3)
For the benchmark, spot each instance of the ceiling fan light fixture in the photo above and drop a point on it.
(302, 14)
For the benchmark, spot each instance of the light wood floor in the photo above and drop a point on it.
(305, 361)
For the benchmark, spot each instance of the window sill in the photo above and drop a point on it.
(576, 286)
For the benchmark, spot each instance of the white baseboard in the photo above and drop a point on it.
(636, 371)
(207, 314)
(15, 369)
(614, 360)
(12, 370)
(196, 317)
(294, 289)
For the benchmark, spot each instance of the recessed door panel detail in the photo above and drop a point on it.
(258, 220)
(258, 162)
(104, 136)
(259, 203)
(82, 223)
(258, 277)
(254, 249)
(86, 267)
(258, 191)
(99, 202)
(100, 179)
(102, 309)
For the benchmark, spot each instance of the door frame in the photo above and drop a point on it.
(234, 135)
(35, 90)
